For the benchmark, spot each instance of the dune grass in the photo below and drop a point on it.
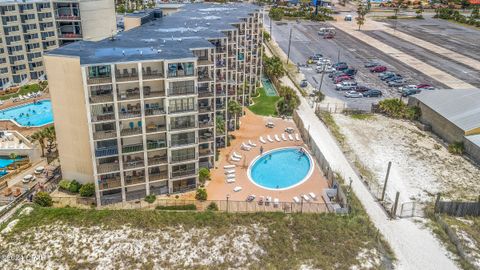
(264, 105)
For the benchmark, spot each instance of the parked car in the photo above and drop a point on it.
(303, 83)
(372, 93)
(327, 69)
(361, 88)
(410, 92)
(394, 78)
(341, 67)
(396, 83)
(340, 79)
(336, 73)
(346, 85)
(339, 64)
(371, 64)
(378, 69)
(348, 18)
(350, 71)
(386, 74)
(353, 94)
(406, 88)
(423, 85)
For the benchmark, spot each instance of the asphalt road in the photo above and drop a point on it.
(305, 42)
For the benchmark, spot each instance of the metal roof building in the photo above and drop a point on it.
(453, 114)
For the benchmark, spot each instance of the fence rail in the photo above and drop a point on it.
(458, 209)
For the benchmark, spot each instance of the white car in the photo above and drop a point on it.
(410, 86)
(353, 94)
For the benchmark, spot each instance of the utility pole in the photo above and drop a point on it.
(338, 56)
(289, 43)
(271, 34)
(386, 180)
(321, 80)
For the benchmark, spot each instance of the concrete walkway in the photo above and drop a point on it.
(350, 28)
(415, 247)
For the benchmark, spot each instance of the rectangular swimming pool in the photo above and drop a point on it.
(30, 115)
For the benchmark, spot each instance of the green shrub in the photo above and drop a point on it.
(201, 194)
(396, 108)
(276, 14)
(150, 198)
(43, 199)
(212, 207)
(177, 207)
(74, 186)
(64, 185)
(87, 190)
(456, 148)
(204, 175)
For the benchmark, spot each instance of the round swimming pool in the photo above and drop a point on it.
(281, 168)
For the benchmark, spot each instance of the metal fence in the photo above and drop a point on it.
(412, 209)
(227, 206)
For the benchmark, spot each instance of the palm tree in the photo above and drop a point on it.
(219, 125)
(235, 109)
(360, 16)
(14, 157)
(51, 137)
(39, 137)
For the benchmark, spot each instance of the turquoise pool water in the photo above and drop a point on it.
(280, 169)
(268, 87)
(29, 115)
(4, 162)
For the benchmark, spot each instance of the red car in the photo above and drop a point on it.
(342, 78)
(378, 69)
(423, 86)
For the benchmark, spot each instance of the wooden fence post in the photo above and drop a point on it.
(437, 200)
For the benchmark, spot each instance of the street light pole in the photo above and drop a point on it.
(289, 43)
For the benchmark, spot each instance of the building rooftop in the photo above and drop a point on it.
(169, 37)
(459, 106)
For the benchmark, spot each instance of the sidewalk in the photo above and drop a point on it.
(415, 247)
(350, 28)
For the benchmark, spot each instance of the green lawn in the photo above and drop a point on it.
(24, 90)
(264, 105)
(321, 241)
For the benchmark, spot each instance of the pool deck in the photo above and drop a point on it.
(251, 128)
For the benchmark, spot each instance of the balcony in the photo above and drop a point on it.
(149, 74)
(155, 144)
(181, 126)
(129, 94)
(126, 76)
(204, 78)
(181, 91)
(67, 17)
(103, 117)
(101, 98)
(108, 167)
(182, 142)
(99, 79)
(206, 137)
(106, 151)
(157, 160)
(108, 183)
(158, 176)
(220, 106)
(132, 148)
(203, 93)
(104, 134)
(132, 180)
(221, 49)
(182, 110)
(125, 114)
(153, 94)
(204, 61)
(181, 158)
(205, 123)
(130, 131)
(150, 112)
(70, 36)
(205, 152)
(183, 173)
(152, 127)
(132, 164)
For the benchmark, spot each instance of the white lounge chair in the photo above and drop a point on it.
(230, 176)
(232, 158)
(251, 143)
(276, 202)
(284, 137)
(245, 147)
(296, 199)
(268, 200)
(229, 171)
(237, 155)
(269, 138)
(277, 138)
(237, 189)
(290, 137)
(313, 196)
(229, 166)
(305, 197)
(262, 140)
(231, 180)
(297, 137)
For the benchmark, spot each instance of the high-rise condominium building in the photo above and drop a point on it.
(29, 28)
(140, 113)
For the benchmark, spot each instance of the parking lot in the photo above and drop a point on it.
(344, 48)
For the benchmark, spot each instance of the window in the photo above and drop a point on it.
(182, 122)
(99, 72)
(180, 69)
(12, 39)
(181, 105)
(183, 154)
(181, 88)
(182, 139)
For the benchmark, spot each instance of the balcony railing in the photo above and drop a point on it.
(152, 94)
(204, 62)
(156, 144)
(159, 111)
(101, 98)
(132, 148)
(110, 183)
(180, 158)
(132, 180)
(99, 79)
(157, 160)
(183, 173)
(108, 167)
(206, 137)
(126, 76)
(205, 152)
(182, 110)
(155, 128)
(183, 126)
(181, 91)
(129, 94)
(67, 17)
(183, 142)
(106, 151)
(204, 94)
(158, 176)
(130, 114)
(130, 131)
(205, 123)
(70, 35)
(104, 134)
(155, 74)
(103, 117)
